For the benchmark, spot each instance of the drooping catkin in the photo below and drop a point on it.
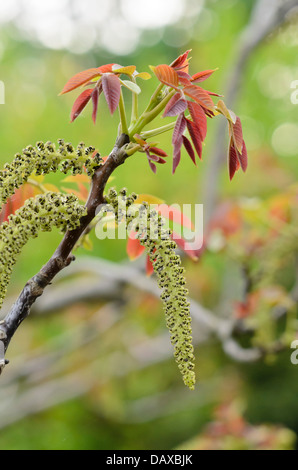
(40, 213)
(43, 159)
(156, 239)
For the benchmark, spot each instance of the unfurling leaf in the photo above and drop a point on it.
(112, 89)
(80, 103)
(182, 62)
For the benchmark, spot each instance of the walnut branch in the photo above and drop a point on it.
(62, 257)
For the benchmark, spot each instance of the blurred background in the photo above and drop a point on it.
(92, 368)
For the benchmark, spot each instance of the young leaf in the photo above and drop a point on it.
(131, 86)
(179, 129)
(80, 79)
(158, 152)
(95, 97)
(195, 135)
(221, 107)
(234, 163)
(134, 248)
(184, 78)
(200, 96)
(181, 63)
(177, 154)
(143, 75)
(243, 157)
(107, 68)
(112, 88)
(129, 70)
(201, 76)
(189, 149)
(238, 134)
(198, 117)
(166, 75)
(175, 106)
(149, 267)
(80, 103)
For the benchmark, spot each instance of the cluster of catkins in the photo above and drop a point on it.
(153, 235)
(38, 214)
(43, 159)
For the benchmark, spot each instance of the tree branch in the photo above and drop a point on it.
(62, 256)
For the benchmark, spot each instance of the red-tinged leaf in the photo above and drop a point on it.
(179, 129)
(112, 89)
(83, 178)
(189, 149)
(201, 76)
(184, 78)
(152, 166)
(166, 75)
(149, 267)
(159, 152)
(134, 248)
(107, 68)
(181, 63)
(234, 163)
(199, 118)
(212, 93)
(200, 96)
(175, 215)
(80, 79)
(238, 134)
(156, 159)
(177, 154)
(95, 97)
(243, 157)
(175, 106)
(80, 103)
(82, 194)
(195, 135)
(17, 200)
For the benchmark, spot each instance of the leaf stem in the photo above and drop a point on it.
(122, 113)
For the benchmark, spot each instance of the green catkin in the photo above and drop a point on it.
(43, 159)
(170, 275)
(40, 213)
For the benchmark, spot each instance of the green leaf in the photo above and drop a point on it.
(131, 86)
